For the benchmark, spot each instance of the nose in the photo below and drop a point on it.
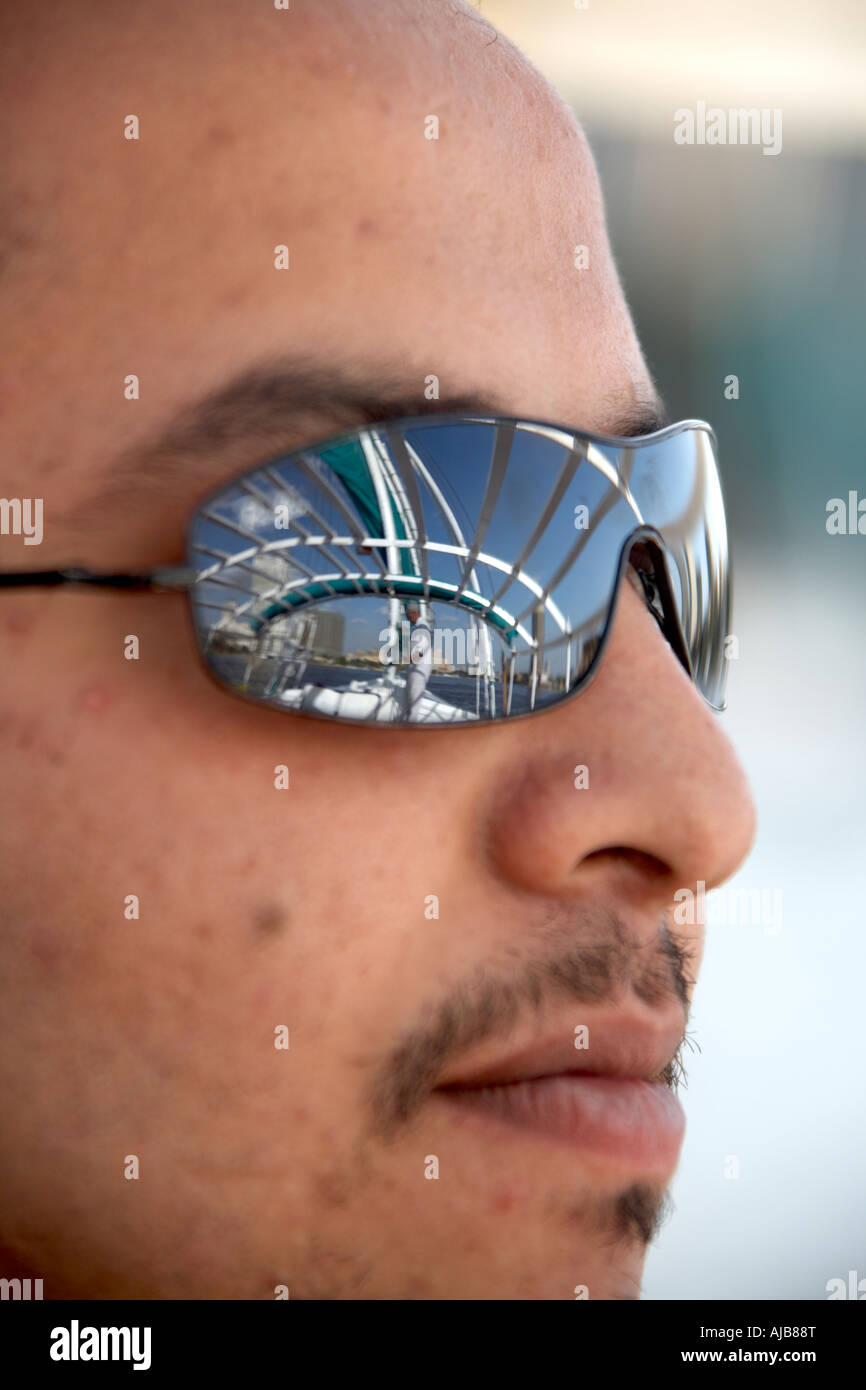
(630, 787)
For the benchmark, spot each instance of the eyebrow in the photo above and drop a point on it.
(260, 409)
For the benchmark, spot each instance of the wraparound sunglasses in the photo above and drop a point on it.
(449, 570)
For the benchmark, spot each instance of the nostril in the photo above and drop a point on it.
(646, 864)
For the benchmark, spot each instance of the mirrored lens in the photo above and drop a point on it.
(437, 572)
(674, 484)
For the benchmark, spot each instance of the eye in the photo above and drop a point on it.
(641, 567)
(651, 591)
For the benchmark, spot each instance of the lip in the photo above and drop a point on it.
(623, 1044)
(605, 1101)
(638, 1125)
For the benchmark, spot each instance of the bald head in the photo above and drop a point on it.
(200, 190)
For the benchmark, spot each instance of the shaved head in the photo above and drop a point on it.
(257, 129)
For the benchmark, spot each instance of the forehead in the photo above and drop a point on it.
(161, 256)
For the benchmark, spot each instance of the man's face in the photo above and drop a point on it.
(308, 909)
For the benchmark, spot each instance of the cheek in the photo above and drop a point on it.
(161, 879)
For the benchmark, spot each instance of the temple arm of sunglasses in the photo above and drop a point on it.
(165, 580)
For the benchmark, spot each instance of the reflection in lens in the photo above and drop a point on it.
(444, 572)
(348, 658)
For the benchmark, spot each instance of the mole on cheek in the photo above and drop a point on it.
(270, 919)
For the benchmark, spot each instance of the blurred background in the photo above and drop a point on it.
(737, 263)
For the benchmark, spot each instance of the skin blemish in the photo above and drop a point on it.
(45, 947)
(505, 1198)
(27, 733)
(270, 919)
(20, 621)
(318, 67)
(234, 298)
(334, 1187)
(93, 698)
(221, 135)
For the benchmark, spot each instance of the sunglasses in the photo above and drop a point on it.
(447, 570)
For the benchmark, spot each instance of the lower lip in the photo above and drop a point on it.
(638, 1123)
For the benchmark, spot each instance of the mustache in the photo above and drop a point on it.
(593, 962)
